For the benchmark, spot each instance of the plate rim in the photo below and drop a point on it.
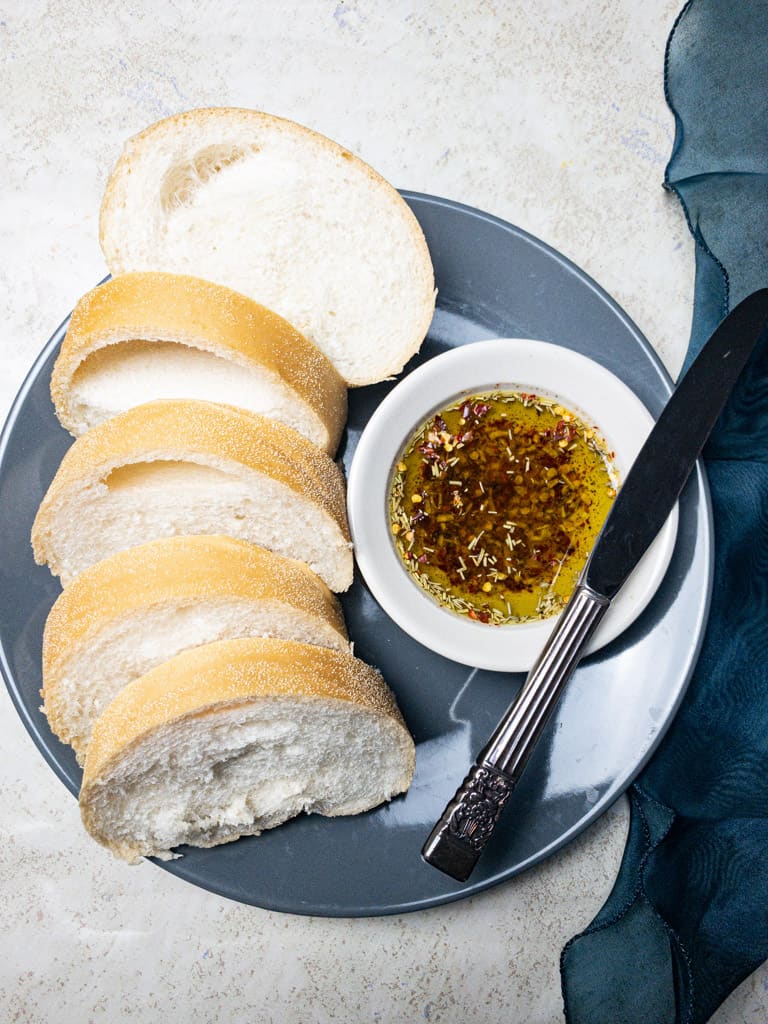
(336, 910)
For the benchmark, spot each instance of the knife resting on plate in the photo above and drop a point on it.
(644, 501)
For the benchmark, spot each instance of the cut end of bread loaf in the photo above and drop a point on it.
(281, 214)
(236, 737)
(147, 336)
(170, 468)
(129, 613)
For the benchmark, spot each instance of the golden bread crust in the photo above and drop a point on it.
(178, 571)
(154, 306)
(218, 676)
(195, 431)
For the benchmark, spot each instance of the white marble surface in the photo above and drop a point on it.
(550, 115)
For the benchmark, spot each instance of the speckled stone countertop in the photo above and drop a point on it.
(550, 115)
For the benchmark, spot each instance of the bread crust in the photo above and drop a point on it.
(197, 122)
(178, 571)
(184, 430)
(154, 306)
(221, 675)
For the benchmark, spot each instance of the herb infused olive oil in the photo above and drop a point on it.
(496, 502)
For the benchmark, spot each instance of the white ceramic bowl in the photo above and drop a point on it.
(507, 364)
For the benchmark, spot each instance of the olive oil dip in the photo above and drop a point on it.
(496, 502)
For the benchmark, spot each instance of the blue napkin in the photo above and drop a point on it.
(688, 917)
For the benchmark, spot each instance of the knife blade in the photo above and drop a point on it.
(646, 498)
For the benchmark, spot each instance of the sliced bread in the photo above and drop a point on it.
(283, 215)
(235, 737)
(141, 337)
(125, 615)
(186, 467)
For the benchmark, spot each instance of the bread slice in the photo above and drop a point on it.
(283, 215)
(125, 615)
(235, 737)
(183, 467)
(141, 337)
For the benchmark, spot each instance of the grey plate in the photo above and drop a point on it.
(494, 281)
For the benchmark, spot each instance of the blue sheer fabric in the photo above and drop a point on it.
(688, 917)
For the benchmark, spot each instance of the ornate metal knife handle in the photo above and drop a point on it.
(460, 836)
(468, 822)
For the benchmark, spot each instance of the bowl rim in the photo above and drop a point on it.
(582, 385)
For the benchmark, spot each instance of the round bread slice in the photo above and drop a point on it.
(141, 337)
(184, 467)
(285, 216)
(125, 615)
(236, 737)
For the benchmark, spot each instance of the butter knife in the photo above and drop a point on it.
(644, 501)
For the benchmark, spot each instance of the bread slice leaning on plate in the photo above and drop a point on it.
(125, 615)
(141, 337)
(284, 216)
(186, 467)
(236, 737)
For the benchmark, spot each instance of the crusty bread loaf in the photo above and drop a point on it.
(125, 615)
(184, 467)
(141, 337)
(235, 737)
(283, 215)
